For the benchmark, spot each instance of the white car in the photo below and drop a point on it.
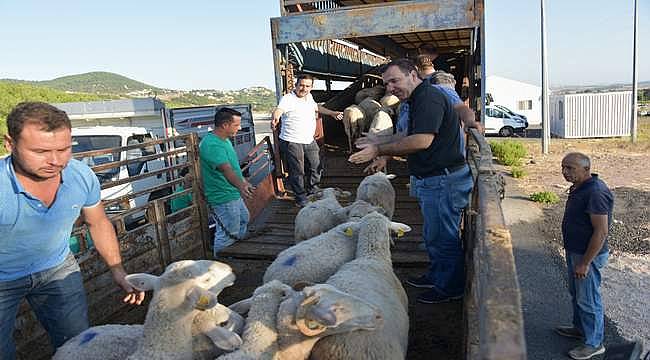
(502, 123)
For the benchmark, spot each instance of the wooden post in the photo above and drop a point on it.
(197, 192)
(160, 220)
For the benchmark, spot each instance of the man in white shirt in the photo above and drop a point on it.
(298, 111)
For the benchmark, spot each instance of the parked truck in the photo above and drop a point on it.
(338, 40)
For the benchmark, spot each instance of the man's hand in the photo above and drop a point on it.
(338, 115)
(367, 138)
(246, 190)
(377, 165)
(274, 123)
(133, 295)
(369, 152)
(580, 271)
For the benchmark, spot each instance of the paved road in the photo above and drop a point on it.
(542, 278)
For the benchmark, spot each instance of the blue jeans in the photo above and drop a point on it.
(588, 313)
(442, 200)
(233, 217)
(57, 297)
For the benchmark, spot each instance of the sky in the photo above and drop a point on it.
(218, 44)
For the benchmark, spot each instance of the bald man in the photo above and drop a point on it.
(587, 217)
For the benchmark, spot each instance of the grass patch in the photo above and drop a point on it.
(517, 172)
(508, 152)
(545, 197)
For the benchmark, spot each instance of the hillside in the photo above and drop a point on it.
(95, 83)
(261, 98)
(12, 93)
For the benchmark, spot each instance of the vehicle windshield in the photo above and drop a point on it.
(505, 109)
(81, 143)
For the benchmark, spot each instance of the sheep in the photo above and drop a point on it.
(371, 275)
(316, 259)
(353, 121)
(369, 106)
(319, 216)
(284, 323)
(377, 190)
(389, 101)
(375, 92)
(184, 288)
(382, 123)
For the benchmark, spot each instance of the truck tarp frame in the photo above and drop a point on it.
(372, 20)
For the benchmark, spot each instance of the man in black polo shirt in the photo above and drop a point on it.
(443, 180)
(587, 217)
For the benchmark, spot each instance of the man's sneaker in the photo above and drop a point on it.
(420, 282)
(583, 352)
(313, 190)
(569, 331)
(433, 297)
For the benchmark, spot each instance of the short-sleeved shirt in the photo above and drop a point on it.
(213, 152)
(431, 112)
(591, 197)
(298, 119)
(402, 120)
(34, 237)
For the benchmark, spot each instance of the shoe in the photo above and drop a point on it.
(313, 190)
(583, 352)
(420, 282)
(433, 297)
(301, 202)
(569, 331)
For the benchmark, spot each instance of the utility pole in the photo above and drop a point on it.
(633, 123)
(546, 130)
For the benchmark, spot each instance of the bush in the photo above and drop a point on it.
(545, 197)
(508, 152)
(517, 172)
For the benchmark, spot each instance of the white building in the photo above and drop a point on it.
(591, 115)
(520, 97)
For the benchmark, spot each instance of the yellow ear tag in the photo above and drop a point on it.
(203, 300)
(400, 233)
(349, 232)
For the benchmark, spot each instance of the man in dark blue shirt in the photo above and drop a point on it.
(443, 180)
(587, 217)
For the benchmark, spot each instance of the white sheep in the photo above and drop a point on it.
(375, 92)
(319, 216)
(377, 190)
(184, 288)
(389, 101)
(370, 107)
(370, 275)
(316, 259)
(284, 323)
(353, 123)
(382, 123)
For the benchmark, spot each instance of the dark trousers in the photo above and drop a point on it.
(303, 164)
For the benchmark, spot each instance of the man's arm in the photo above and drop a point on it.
(275, 117)
(244, 187)
(467, 116)
(338, 115)
(600, 225)
(103, 235)
(404, 146)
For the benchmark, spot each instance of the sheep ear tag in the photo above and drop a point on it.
(348, 232)
(201, 298)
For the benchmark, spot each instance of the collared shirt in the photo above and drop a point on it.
(213, 152)
(591, 197)
(298, 119)
(431, 112)
(403, 118)
(34, 237)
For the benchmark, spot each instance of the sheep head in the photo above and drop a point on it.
(326, 310)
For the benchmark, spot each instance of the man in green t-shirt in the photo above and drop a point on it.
(223, 182)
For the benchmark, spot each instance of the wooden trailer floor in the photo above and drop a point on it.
(435, 330)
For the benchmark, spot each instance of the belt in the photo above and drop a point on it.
(444, 171)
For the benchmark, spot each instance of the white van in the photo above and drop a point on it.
(502, 123)
(105, 137)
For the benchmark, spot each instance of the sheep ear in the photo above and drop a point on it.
(201, 299)
(399, 228)
(241, 307)
(299, 285)
(391, 176)
(223, 338)
(143, 282)
(346, 194)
